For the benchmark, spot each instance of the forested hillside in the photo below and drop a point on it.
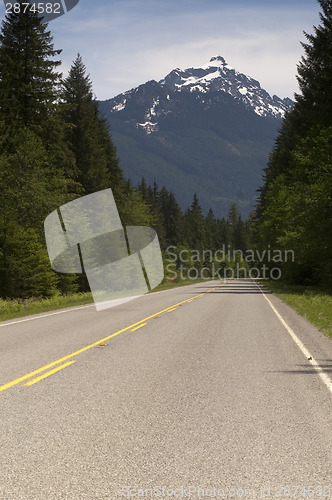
(54, 147)
(295, 206)
(207, 130)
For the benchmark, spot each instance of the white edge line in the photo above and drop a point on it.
(325, 378)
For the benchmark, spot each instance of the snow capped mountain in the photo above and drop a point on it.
(207, 130)
(218, 76)
(209, 84)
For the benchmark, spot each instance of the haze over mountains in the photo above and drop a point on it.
(207, 130)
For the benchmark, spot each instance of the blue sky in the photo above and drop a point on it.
(126, 42)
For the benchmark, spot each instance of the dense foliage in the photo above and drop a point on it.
(295, 206)
(55, 146)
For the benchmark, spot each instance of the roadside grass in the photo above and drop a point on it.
(11, 309)
(314, 304)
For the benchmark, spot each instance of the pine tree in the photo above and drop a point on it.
(117, 180)
(294, 210)
(28, 78)
(223, 238)
(211, 230)
(313, 107)
(86, 134)
(143, 189)
(174, 227)
(314, 104)
(31, 188)
(33, 156)
(194, 226)
(28, 271)
(171, 217)
(134, 211)
(237, 228)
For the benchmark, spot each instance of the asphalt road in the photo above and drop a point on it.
(212, 398)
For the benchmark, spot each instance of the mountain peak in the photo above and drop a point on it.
(207, 129)
(219, 59)
(208, 84)
(215, 62)
(218, 76)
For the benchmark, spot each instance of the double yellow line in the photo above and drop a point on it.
(65, 359)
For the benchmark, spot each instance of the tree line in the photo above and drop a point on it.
(294, 210)
(55, 146)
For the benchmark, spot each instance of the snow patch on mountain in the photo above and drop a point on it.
(208, 82)
(148, 126)
(120, 106)
(218, 76)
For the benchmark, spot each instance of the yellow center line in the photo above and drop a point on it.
(48, 374)
(174, 309)
(138, 327)
(84, 349)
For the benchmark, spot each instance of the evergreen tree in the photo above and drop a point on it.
(194, 226)
(32, 179)
(28, 78)
(298, 215)
(117, 180)
(134, 211)
(314, 104)
(31, 188)
(87, 131)
(143, 189)
(174, 227)
(211, 230)
(223, 238)
(294, 210)
(237, 228)
(28, 271)
(171, 217)
(312, 107)
(155, 201)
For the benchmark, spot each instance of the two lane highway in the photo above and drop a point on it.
(204, 390)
